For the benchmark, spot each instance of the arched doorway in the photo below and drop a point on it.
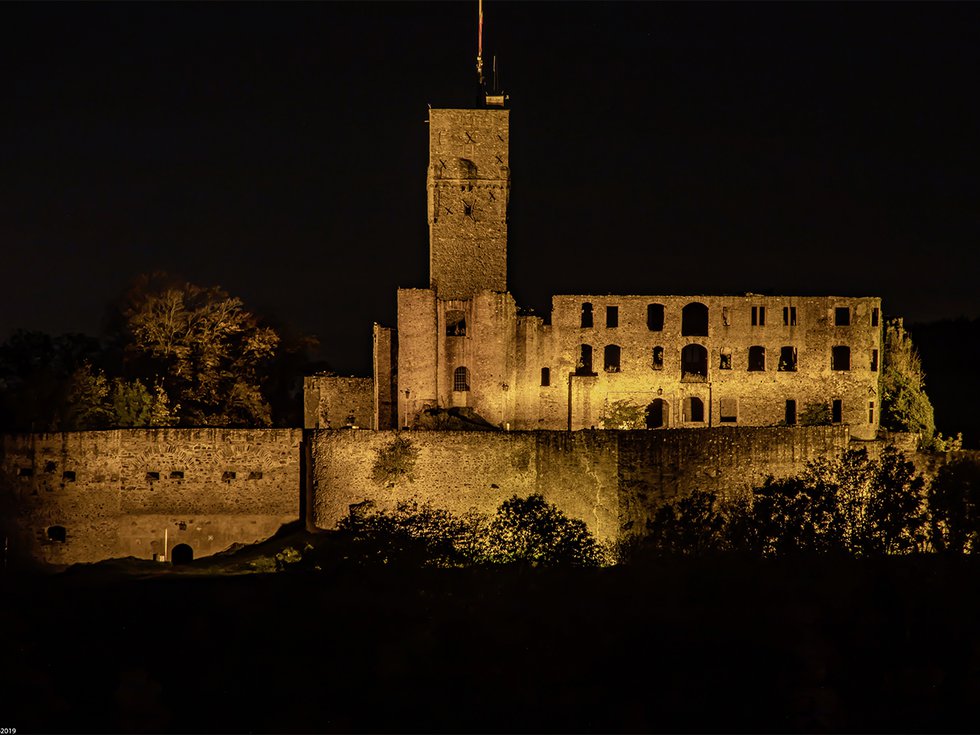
(658, 414)
(181, 554)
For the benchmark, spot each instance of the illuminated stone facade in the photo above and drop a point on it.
(600, 361)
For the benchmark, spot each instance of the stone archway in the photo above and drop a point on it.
(658, 414)
(181, 554)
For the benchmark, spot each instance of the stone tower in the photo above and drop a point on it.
(468, 191)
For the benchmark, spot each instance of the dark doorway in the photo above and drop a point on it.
(657, 414)
(182, 554)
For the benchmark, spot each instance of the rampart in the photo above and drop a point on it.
(91, 495)
(612, 480)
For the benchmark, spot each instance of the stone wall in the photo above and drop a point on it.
(126, 492)
(612, 480)
(335, 402)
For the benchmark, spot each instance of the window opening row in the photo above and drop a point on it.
(694, 317)
(694, 360)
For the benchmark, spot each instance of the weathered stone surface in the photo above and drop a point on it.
(116, 493)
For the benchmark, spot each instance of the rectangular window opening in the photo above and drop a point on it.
(228, 475)
(842, 316)
(152, 476)
(655, 317)
(789, 316)
(790, 412)
(255, 475)
(757, 359)
(726, 317)
(177, 475)
(874, 317)
(586, 315)
(612, 316)
(725, 361)
(611, 358)
(50, 466)
(68, 476)
(871, 412)
(874, 361)
(758, 316)
(787, 359)
(840, 357)
(545, 376)
(837, 411)
(25, 472)
(455, 324)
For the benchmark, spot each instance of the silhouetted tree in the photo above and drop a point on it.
(532, 531)
(904, 403)
(954, 507)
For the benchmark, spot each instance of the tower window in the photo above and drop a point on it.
(789, 316)
(787, 359)
(874, 317)
(455, 324)
(791, 412)
(658, 358)
(725, 359)
(610, 358)
(586, 315)
(871, 412)
(726, 317)
(842, 316)
(461, 379)
(837, 411)
(840, 357)
(874, 361)
(655, 317)
(57, 534)
(758, 316)
(545, 376)
(612, 316)
(757, 358)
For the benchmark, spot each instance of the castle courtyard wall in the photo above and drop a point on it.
(115, 493)
(612, 480)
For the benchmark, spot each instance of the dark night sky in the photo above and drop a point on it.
(279, 150)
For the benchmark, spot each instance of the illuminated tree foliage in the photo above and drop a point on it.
(533, 531)
(202, 346)
(954, 507)
(904, 403)
(851, 505)
(523, 531)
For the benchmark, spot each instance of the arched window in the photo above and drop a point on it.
(584, 366)
(694, 320)
(58, 534)
(655, 317)
(694, 364)
(586, 315)
(693, 410)
(658, 414)
(461, 379)
(610, 359)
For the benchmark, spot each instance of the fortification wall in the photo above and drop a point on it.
(335, 402)
(115, 493)
(612, 480)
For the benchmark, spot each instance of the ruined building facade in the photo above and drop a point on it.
(600, 361)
